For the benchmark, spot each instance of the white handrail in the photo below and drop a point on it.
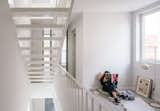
(70, 76)
(74, 97)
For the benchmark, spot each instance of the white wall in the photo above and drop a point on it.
(13, 81)
(104, 44)
(42, 90)
(38, 105)
(152, 73)
(110, 5)
(107, 46)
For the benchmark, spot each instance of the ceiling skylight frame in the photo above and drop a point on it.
(40, 3)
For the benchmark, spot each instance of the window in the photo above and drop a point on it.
(46, 43)
(47, 52)
(63, 54)
(47, 32)
(150, 37)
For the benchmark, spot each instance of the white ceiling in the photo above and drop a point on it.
(110, 5)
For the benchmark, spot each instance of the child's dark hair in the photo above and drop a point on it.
(106, 72)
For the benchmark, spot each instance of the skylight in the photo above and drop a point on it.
(40, 3)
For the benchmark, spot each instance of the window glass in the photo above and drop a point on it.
(63, 56)
(46, 43)
(151, 37)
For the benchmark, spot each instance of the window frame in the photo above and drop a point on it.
(139, 31)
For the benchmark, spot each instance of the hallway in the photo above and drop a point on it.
(52, 52)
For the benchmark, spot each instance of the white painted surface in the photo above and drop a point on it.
(106, 46)
(42, 90)
(152, 73)
(110, 5)
(138, 104)
(103, 43)
(14, 93)
(38, 105)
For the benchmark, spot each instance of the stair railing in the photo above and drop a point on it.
(72, 95)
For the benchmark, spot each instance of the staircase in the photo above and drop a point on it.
(41, 29)
(73, 97)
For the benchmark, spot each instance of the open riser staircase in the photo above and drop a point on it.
(41, 27)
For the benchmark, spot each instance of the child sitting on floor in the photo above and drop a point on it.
(109, 84)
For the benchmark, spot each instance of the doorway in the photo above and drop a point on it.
(71, 52)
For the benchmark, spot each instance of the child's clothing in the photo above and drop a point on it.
(110, 84)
